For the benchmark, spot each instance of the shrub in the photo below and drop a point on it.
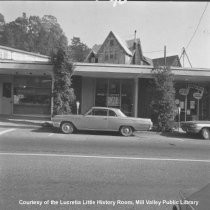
(163, 103)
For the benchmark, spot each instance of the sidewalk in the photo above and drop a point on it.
(23, 121)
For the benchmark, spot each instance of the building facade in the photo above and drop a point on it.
(25, 83)
(114, 74)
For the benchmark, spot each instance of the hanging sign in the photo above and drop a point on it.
(183, 92)
(197, 95)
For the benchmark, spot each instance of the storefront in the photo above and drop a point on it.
(116, 93)
(193, 100)
(130, 89)
(25, 83)
(32, 95)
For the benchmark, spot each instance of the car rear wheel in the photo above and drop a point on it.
(126, 130)
(205, 133)
(67, 127)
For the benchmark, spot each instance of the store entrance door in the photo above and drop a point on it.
(6, 99)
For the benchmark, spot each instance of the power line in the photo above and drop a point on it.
(197, 25)
(154, 51)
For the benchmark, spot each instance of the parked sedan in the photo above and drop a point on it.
(102, 119)
(197, 201)
(200, 127)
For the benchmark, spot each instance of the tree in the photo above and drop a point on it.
(78, 51)
(163, 104)
(34, 34)
(2, 25)
(63, 94)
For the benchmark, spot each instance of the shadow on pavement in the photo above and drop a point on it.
(46, 128)
(183, 135)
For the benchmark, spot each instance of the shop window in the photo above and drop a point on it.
(32, 94)
(127, 97)
(113, 99)
(7, 87)
(101, 92)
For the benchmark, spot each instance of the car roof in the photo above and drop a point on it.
(100, 107)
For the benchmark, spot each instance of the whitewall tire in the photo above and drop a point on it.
(126, 130)
(205, 133)
(67, 127)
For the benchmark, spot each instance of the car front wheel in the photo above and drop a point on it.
(67, 127)
(205, 133)
(126, 130)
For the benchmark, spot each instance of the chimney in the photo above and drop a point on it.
(134, 43)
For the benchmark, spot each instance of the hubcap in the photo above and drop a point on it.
(67, 128)
(205, 134)
(126, 131)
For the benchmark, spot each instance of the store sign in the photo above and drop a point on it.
(196, 87)
(113, 101)
(197, 96)
(183, 92)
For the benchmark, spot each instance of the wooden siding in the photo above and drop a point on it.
(104, 54)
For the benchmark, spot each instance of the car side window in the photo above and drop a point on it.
(112, 113)
(100, 112)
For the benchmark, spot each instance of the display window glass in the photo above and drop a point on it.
(32, 94)
(115, 93)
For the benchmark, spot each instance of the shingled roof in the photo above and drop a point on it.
(170, 61)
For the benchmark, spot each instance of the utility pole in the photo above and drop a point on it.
(184, 53)
(165, 56)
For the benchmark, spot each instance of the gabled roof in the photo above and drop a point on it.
(96, 48)
(170, 61)
(130, 43)
(120, 42)
(148, 60)
(127, 46)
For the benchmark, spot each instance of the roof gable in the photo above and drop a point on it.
(130, 43)
(119, 41)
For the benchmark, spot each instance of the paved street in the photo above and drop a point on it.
(40, 164)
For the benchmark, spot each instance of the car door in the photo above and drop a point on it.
(113, 121)
(97, 120)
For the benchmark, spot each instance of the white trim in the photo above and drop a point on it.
(24, 52)
(106, 157)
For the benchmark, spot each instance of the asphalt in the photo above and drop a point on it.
(34, 122)
(24, 121)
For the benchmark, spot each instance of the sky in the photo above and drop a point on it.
(158, 24)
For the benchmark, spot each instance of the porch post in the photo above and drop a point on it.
(136, 93)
